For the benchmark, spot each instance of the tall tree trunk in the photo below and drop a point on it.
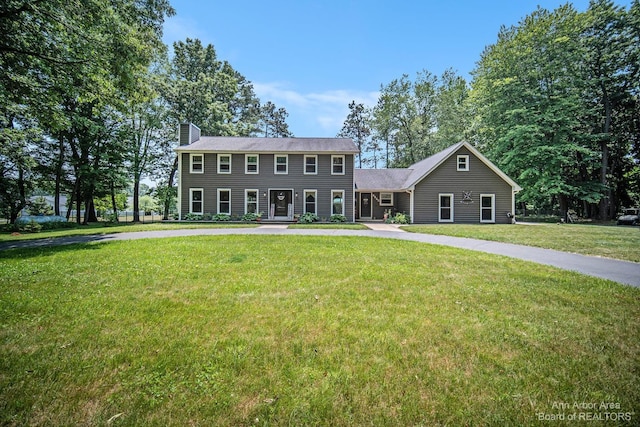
(604, 145)
(56, 197)
(114, 205)
(167, 201)
(136, 198)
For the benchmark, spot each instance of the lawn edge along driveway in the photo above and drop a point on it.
(624, 272)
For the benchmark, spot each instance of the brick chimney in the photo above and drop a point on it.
(188, 133)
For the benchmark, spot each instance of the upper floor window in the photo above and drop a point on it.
(251, 162)
(310, 165)
(197, 163)
(224, 163)
(281, 164)
(337, 165)
(463, 163)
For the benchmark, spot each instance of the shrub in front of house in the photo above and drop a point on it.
(308, 218)
(338, 218)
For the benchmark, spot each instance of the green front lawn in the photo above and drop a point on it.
(103, 228)
(293, 330)
(605, 241)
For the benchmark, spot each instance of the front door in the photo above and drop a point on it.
(365, 205)
(280, 201)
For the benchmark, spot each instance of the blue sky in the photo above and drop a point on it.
(314, 57)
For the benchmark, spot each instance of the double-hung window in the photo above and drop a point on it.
(488, 208)
(463, 163)
(197, 163)
(445, 208)
(310, 197)
(251, 163)
(310, 164)
(224, 201)
(337, 165)
(337, 202)
(386, 199)
(250, 201)
(196, 201)
(281, 164)
(224, 163)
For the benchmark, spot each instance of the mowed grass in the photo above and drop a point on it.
(102, 228)
(605, 241)
(274, 330)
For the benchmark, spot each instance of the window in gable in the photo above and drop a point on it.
(463, 163)
(224, 163)
(197, 163)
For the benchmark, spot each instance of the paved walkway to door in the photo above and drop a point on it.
(624, 272)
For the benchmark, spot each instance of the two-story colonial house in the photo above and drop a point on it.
(283, 177)
(280, 177)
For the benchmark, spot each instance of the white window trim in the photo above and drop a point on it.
(450, 195)
(191, 155)
(315, 198)
(343, 202)
(466, 163)
(304, 166)
(246, 164)
(386, 204)
(246, 200)
(343, 164)
(218, 200)
(493, 208)
(191, 190)
(275, 164)
(230, 161)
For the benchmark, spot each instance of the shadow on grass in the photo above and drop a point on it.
(31, 248)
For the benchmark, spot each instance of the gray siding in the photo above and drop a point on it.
(295, 180)
(480, 179)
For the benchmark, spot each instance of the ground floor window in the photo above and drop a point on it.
(251, 201)
(310, 197)
(386, 199)
(195, 200)
(487, 208)
(224, 201)
(445, 208)
(337, 202)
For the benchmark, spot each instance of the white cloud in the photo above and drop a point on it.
(314, 113)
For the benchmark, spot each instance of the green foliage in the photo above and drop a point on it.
(308, 218)
(192, 217)
(338, 218)
(251, 216)
(553, 101)
(30, 227)
(399, 218)
(353, 332)
(221, 217)
(39, 206)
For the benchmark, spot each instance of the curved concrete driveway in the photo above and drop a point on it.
(624, 272)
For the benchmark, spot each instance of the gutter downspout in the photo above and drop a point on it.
(180, 186)
(411, 191)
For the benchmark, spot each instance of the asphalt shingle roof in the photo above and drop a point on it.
(226, 144)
